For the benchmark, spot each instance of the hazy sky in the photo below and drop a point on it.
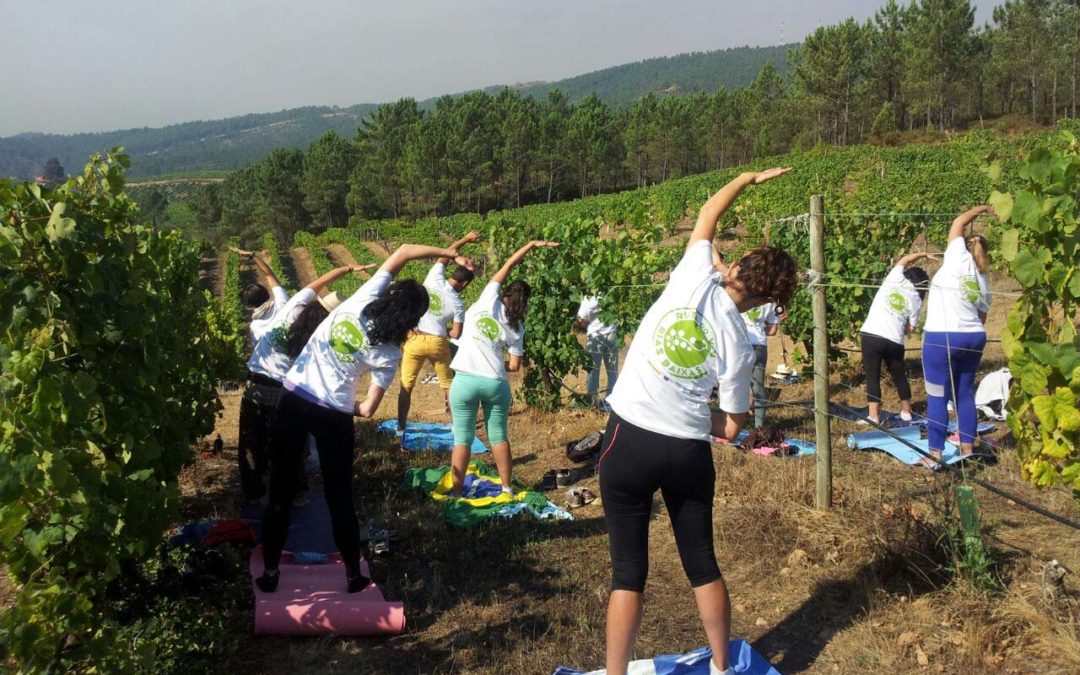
(69, 66)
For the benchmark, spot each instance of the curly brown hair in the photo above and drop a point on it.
(767, 272)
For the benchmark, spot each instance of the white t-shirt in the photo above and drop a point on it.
(486, 335)
(895, 308)
(958, 292)
(444, 304)
(757, 318)
(269, 357)
(589, 311)
(266, 312)
(339, 353)
(691, 341)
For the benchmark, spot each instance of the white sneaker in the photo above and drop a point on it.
(713, 670)
(905, 415)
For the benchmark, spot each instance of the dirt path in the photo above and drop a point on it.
(301, 262)
(341, 256)
(210, 274)
(378, 249)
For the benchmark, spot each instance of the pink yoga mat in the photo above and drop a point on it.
(312, 600)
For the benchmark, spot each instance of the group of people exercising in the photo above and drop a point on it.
(703, 337)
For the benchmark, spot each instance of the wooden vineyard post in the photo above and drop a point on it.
(823, 440)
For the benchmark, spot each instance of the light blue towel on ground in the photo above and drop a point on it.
(741, 655)
(427, 437)
(879, 440)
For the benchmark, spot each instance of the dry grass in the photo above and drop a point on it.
(864, 587)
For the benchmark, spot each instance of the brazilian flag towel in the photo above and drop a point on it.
(482, 496)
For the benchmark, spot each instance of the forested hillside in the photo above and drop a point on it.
(236, 142)
(682, 74)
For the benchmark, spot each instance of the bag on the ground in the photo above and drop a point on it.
(585, 449)
(763, 437)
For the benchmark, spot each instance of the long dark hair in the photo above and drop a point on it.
(516, 301)
(391, 317)
(254, 295)
(919, 279)
(302, 328)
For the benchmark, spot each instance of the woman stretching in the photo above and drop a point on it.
(893, 314)
(362, 335)
(493, 325)
(269, 364)
(956, 309)
(692, 340)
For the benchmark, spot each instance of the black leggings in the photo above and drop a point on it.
(635, 463)
(876, 349)
(334, 436)
(257, 407)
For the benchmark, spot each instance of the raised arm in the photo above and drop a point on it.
(470, 238)
(965, 218)
(503, 274)
(718, 262)
(406, 253)
(718, 204)
(260, 263)
(333, 275)
(910, 259)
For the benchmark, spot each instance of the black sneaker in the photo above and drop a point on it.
(268, 582)
(357, 583)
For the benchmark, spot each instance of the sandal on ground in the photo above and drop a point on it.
(931, 462)
(578, 497)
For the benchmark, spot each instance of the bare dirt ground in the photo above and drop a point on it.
(341, 256)
(210, 274)
(305, 270)
(378, 249)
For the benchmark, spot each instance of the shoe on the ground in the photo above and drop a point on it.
(905, 415)
(268, 582)
(357, 583)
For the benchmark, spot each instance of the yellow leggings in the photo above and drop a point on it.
(421, 348)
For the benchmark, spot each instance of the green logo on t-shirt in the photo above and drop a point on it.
(488, 327)
(682, 341)
(897, 302)
(346, 338)
(754, 314)
(279, 338)
(435, 302)
(972, 290)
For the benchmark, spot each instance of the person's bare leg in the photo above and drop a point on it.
(875, 410)
(404, 402)
(503, 461)
(967, 448)
(459, 464)
(623, 622)
(715, 610)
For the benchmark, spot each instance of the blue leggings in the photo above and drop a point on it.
(950, 362)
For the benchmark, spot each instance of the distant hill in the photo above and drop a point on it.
(697, 71)
(236, 142)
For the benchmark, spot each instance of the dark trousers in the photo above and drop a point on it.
(257, 407)
(334, 436)
(634, 463)
(875, 351)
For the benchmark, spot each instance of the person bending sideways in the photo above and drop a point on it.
(494, 325)
(362, 335)
(270, 362)
(692, 340)
(262, 303)
(956, 310)
(602, 345)
(431, 339)
(893, 314)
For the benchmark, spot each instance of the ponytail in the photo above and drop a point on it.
(976, 246)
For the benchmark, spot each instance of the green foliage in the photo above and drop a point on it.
(1042, 250)
(107, 379)
(270, 245)
(227, 321)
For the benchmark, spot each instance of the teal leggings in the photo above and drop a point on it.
(467, 393)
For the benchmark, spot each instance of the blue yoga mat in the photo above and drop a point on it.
(427, 436)
(879, 440)
(309, 526)
(983, 428)
(889, 420)
(741, 655)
